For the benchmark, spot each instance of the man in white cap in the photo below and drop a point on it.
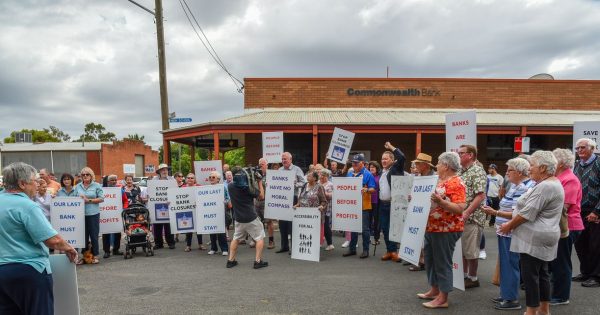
(163, 174)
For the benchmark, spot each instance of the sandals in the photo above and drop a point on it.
(201, 247)
(417, 268)
(95, 261)
(187, 249)
(271, 245)
(80, 262)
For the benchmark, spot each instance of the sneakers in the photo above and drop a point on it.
(231, 263)
(364, 255)
(469, 284)
(591, 283)
(555, 302)
(346, 244)
(497, 299)
(225, 254)
(211, 252)
(349, 253)
(508, 305)
(482, 254)
(329, 247)
(260, 264)
(580, 278)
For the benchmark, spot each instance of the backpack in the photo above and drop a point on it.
(246, 177)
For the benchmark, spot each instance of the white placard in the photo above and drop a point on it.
(458, 280)
(340, 146)
(401, 186)
(110, 211)
(204, 168)
(306, 233)
(67, 215)
(586, 129)
(461, 128)
(272, 145)
(64, 285)
(158, 199)
(419, 206)
(129, 169)
(346, 211)
(210, 209)
(182, 209)
(279, 195)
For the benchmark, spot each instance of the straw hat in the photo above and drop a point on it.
(161, 166)
(423, 158)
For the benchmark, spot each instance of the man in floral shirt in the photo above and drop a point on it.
(475, 179)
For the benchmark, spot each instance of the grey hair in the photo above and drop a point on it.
(262, 160)
(216, 174)
(589, 142)
(545, 158)
(450, 159)
(325, 172)
(111, 176)
(16, 173)
(564, 156)
(526, 157)
(520, 165)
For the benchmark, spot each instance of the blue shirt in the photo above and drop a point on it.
(63, 193)
(93, 191)
(367, 178)
(23, 230)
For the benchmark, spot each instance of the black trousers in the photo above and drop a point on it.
(158, 234)
(536, 277)
(588, 249)
(106, 242)
(285, 229)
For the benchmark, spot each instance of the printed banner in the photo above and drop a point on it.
(416, 219)
(458, 280)
(204, 168)
(210, 209)
(67, 216)
(110, 211)
(272, 146)
(158, 200)
(182, 209)
(279, 196)
(129, 169)
(401, 187)
(461, 128)
(306, 233)
(341, 143)
(586, 129)
(346, 211)
(64, 285)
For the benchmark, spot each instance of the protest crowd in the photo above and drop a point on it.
(545, 205)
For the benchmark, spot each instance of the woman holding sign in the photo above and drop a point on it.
(92, 195)
(67, 189)
(312, 194)
(215, 178)
(444, 229)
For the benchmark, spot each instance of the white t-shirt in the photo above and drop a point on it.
(495, 181)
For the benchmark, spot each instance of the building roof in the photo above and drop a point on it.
(52, 146)
(401, 116)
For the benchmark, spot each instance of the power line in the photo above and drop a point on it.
(211, 51)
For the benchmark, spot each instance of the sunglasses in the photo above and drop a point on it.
(191, 178)
(212, 177)
(86, 174)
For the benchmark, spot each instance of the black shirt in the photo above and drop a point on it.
(243, 204)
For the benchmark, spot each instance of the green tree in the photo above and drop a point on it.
(59, 134)
(135, 136)
(43, 135)
(96, 133)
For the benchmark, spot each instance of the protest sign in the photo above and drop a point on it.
(458, 280)
(158, 201)
(204, 168)
(341, 143)
(129, 169)
(64, 285)
(346, 212)
(210, 209)
(416, 219)
(586, 129)
(306, 233)
(272, 146)
(110, 211)
(67, 216)
(461, 128)
(401, 186)
(182, 209)
(279, 195)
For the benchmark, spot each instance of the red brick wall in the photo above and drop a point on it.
(453, 93)
(124, 152)
(93, 162)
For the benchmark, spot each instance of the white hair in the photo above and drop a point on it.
(564, 156)
(450, 159)
(16, 173)
(589, 142)
(520, 165)
(545, 158)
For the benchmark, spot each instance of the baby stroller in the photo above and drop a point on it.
(136, 225)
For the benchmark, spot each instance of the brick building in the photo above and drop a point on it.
(408, 112)
(70, 157)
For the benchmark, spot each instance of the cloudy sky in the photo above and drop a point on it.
(69, 62)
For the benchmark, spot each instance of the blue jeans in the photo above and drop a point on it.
(509, 270)
(92, 229)
(561, 268)
(222, 242)
(384, 221)
(366, 233)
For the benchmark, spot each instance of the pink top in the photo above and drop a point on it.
(572, 187)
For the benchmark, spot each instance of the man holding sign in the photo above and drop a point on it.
(25, 236)
(393, 164)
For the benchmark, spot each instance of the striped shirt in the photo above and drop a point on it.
(510, 200)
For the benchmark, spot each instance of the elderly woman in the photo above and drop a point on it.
(215, 178)
(190, 181)
(25, 236)
(43, 197)
(312, 195)
(131, 190)
(67, 183)
(535, 230)
(444, 227)
(92, 195)
(327, 185)
(518, 175)
(561, 267)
